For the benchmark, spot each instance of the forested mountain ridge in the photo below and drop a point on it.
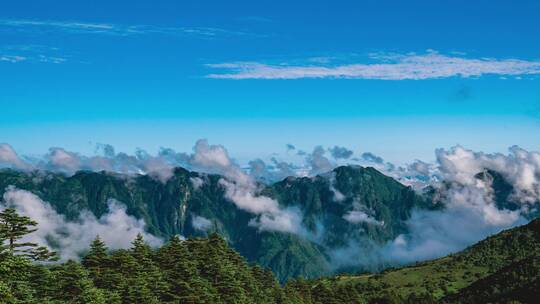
(172, 208)
(324, 199)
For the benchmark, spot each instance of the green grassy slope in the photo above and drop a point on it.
(519, 281)
(491, 263)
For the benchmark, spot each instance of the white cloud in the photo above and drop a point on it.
(50, 59)
(282, 220)
(245, 198)
(72, 238)
(469, 215)
(10, 158)
(434, 234)
(201, 223)
(520, 168)
(431, 65)
(213, 157)
(30, 53)
(197, 182)
(75, 27)
(356, 217)
(318, 162)
(340, 152)
(470, 212)
(241, 189)
(372, 158)
(159, 168)
(243, 193)
(12, 58)
(337, 195)
(62, 160)
(275, 171)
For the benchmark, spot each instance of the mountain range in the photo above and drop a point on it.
(349, 205)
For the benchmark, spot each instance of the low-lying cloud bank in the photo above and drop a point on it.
(204, 158)
(470, 211)
(72, 238)
(470, 215)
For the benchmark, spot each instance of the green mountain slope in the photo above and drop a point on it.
(504, 266)
(519, 281)
(169, 209)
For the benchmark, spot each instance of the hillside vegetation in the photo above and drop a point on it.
(500, 268)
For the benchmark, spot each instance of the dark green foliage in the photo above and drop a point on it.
(518, 281)
(73, 285)
(12, 228)
(181, 274)
(15, 275)
(181, 271)
(96, 261)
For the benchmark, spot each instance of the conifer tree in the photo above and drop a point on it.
(222, 273)
(13, 227)
(140, 250)
(97, 253)
(74, 285)
(180, 269)
(149, 272)
(15, 275)
(96, 262)
(40, 278)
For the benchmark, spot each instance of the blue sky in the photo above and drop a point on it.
(397, 78)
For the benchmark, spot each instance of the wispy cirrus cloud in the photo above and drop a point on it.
(75, 27)
(12, 58)
(31, 53)
(410, 66)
